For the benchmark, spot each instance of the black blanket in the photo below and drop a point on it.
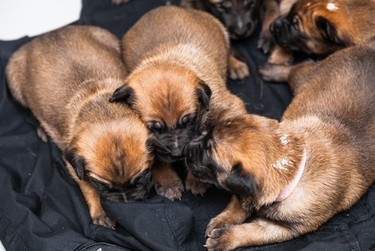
(41, 207)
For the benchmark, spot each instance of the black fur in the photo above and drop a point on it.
(130, 191)
(239, 16)
(123, 94)
(241, 183)
(76, 161)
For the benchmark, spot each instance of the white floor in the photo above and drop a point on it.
(17, 19)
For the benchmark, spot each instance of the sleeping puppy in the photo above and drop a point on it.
(178, 61)
(321, 27)
(293, 176)
(65, 78)
(240, 17)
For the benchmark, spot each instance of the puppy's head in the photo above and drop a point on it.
(239, 16)
(246, 155)
(114, 157)
(171, 100)
(317, 27)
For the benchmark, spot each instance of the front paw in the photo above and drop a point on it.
(104, 221)
(172, 189)
(216, 223)
(237, 69)
(195, 186)
(220, 239)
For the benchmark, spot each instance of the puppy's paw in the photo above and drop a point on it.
(221, 239)
(119, 2)
(265, 43)
(42, 134)
(237, 69)
(219, 221)
(104, 221)
(195, 186)
(274, 73)
(172, 189)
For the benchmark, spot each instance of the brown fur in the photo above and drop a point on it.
(65, 78)
(237, 18)
(175, 56)
(257, 158)
(326, 29)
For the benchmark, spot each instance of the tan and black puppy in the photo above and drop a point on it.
(178, 61)
(298, 173)
(320, 27)
(65, 78)
(240, 17)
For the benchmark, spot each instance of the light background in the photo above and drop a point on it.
(19, 18)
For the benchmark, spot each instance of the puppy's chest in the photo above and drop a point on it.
(289, 208)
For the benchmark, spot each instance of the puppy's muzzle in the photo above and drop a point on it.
(138, 190)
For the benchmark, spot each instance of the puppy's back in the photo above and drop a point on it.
(168, 26)
(60, 60)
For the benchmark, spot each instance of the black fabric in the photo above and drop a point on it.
(41, 207)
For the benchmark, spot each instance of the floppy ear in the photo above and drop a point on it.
(124, 94)
(204, 95)
(76, 161)
(242, 183)
(329, 32)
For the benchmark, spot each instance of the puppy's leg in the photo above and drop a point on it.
(280, 56)
(258, 232)
(237, 69)
(233, 214)
(270, 13)
(167, 182)
(275, 72)
(194, 185)
(92, 198)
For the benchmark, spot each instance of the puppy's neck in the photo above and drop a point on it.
(293, 184)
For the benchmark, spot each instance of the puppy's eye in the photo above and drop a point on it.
(186, 119)
(155, 125)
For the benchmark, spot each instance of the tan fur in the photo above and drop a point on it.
(170, 52)
(336, 136)
(65, 78)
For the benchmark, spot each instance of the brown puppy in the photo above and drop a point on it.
(298, 173)
(320, 27)
(178, 62)
(65, 78)
(240, 17)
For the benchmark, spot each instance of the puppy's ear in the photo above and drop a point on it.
(242, 183)
(330, 32)
(204, 95)
(124, 94)
(76, 161)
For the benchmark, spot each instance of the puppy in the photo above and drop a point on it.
(294, 175)
(321, 27)
(65, 78)
(240, 17)
(178, 62)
